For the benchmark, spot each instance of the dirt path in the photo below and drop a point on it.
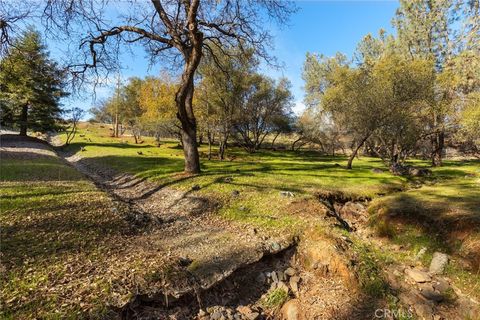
(184, 225)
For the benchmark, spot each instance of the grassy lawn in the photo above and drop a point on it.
(64, 252)
(67, 253)
(259, 177)
(443, 214)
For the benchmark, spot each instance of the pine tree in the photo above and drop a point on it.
(31, 86)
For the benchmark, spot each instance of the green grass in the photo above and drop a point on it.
(275, 298)
(64, 253)
(369, 270)
(259, 177)
(443, 215)
(57, 225)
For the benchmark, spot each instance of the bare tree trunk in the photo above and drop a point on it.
(438, 149)
(209, 137)
(222, 147)
(183, 101)
(24, 120)
(116, 126)
(275, 138)
(355, 151)
(295, 142)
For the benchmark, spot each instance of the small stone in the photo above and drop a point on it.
(217, 315)
(276, 246)
(253, 316)
(377, 170)
(290, 271)
(294, 283)
(244, 310)
(201, 313)
(417, 275)
(281, 276)
(438, 263)
(282, 286)
(291, 310)
(441, 285)
(195, 187)
(287, 194)
(274, 276)
(235, 193)
(423, 310)
(427, 291)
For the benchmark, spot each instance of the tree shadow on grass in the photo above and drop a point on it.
(445, 224)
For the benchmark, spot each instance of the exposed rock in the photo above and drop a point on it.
(281, 276)
(235, 193)
(248, 313)
(282, 286)
(291, 310)
(184, 261)
(217, 315)
(276, 246)
(419, 172)
(417, 275)
(423, 310)
(290, 272)
(427, 291)
(404, 170)
(287, 194)
(393, 281)
(253, 316)
(438, 263)
(441, 285)
(294, 283)
(274, 276)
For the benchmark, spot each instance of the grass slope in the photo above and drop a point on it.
(65, 254)
(259, 177)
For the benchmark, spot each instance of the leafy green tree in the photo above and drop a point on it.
(222, 92)
(31, 86)
(264, 102)
(446, 31)
(183, 30)
(378, 101)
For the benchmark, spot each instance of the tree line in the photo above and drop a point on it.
(413, 94)
(235, 104)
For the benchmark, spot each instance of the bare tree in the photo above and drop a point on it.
(76, 115)
(182, 30)
(12, 16)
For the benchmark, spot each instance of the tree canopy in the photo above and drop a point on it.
(31, 86)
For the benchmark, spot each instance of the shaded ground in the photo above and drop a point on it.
(80, 245)
(151, 233)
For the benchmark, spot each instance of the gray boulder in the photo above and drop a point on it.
(438, 263)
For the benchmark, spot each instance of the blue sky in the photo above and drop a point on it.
(319, 26)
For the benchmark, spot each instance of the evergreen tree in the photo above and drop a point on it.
(31, 85)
